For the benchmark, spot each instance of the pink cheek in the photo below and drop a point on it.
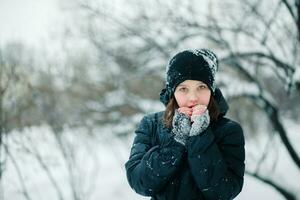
(181, 102)
(203, 102)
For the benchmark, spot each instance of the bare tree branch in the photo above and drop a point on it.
(68, 159)
(270, 109)
(286, 194)
(290, 9)
(269, 24)
(44, 165)
(297, 4)
(286, 67)
(295, 16)
(272, 112)
(267, 148)
(131, 30)
(15, 164)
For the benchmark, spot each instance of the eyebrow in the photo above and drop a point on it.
(201, 83)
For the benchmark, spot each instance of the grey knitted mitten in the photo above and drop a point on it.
(181, 127)
(201, 122)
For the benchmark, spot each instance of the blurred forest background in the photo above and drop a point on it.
(67, 116)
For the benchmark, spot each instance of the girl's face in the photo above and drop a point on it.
(191, 93)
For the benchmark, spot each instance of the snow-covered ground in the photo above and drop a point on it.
(91, 166)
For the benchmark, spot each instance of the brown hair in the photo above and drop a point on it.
(213, 109)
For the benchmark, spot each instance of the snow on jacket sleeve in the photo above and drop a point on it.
(218, 170)
(149, 167)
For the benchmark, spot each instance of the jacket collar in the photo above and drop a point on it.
(223, 105)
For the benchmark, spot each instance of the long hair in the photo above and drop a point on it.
(213, 109)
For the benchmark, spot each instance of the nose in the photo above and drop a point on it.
(193, 98)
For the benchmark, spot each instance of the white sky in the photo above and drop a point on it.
(31, 21)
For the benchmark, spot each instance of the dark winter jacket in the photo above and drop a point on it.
(210, 166)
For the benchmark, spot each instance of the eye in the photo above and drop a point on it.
(202, 86)
(183, 89)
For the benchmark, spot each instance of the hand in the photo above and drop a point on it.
(200, 123)
(186, 110)
(181, 126)
(198, 110)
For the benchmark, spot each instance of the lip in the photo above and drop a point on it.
(192, 106)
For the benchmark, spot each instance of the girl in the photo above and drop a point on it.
(189, 151)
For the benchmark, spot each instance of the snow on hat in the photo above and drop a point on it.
(198, 64)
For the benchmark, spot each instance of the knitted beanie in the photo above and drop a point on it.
(198, 64)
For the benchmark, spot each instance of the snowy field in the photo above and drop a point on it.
(90, 166)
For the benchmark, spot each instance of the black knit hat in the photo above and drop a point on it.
(198, 64)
